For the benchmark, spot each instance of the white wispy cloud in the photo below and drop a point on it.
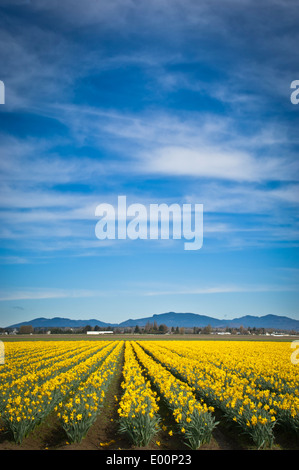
(207, 145)
(211, 162)
(232, 155)
(58, 293)
(222, 289)
(46, 293)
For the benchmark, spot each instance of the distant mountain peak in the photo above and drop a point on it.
(172, 319)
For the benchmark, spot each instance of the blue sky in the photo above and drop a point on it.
(177, 101)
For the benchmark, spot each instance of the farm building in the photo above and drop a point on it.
(98, 332)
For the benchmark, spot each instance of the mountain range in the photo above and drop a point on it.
(172, 319)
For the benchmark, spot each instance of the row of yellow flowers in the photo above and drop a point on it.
(267, 363)
(138, 408)
(233, 377)
(25, 373)
(194, 418)
(25, 358)
(79, 412)
(29, 399)
(270, 376)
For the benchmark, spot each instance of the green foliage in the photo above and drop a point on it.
(140, 429)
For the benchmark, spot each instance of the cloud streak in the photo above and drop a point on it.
(41, 294)
(222, 289)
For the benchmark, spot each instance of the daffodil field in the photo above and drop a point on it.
(252, 387)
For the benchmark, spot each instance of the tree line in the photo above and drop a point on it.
(148, 328)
